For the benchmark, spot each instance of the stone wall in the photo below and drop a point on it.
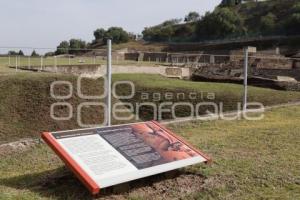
(262, 60)
(274, 73)
(66, 69)
(157, 57)
(233, 70)
(235, 58)
(261, 77)
(296, 64)
(99, 70)
(132, 56)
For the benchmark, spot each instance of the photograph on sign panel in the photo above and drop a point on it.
(146, 144)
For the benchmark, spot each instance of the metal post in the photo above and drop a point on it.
(212, 59)
(108, 73)
(16, 63)
(41, 63)
(245, 79)
(29, 62)
(55, 63)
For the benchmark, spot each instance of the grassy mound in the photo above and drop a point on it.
(25, 100)
(226, 96)
(25, 104)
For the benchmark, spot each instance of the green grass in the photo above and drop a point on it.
(230, 95)
(50, 61)
(36, 61)
(25, 103)
(25, 100)
(141, 46)
(252, 160)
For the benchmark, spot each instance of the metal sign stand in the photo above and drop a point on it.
(108, 74)
(246, 60)
(245, 80)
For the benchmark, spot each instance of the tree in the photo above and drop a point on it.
(230, 2)
(63, 48)
(34, 54)
(158, 33)
(184, 31)
(162, 32)
(192, 17)
(48, 54)
(76, 46)
(13, 53)
(151, 34)
(99, 34)
(292, 24)
(117, 34)
(221, 23)
(296, 8)
(167, 32)
(21, 53)
(268, 23)
(171, 22)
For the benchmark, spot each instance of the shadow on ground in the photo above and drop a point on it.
(61, 184)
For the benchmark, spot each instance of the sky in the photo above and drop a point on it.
(45, 23)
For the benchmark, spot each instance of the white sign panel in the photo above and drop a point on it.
(102, 157)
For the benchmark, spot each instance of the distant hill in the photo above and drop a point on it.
(247, 19)
(265, 24)
(273, 17)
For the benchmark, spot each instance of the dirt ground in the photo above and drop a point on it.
(172, 185)
(18, 146)
(176, 184)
